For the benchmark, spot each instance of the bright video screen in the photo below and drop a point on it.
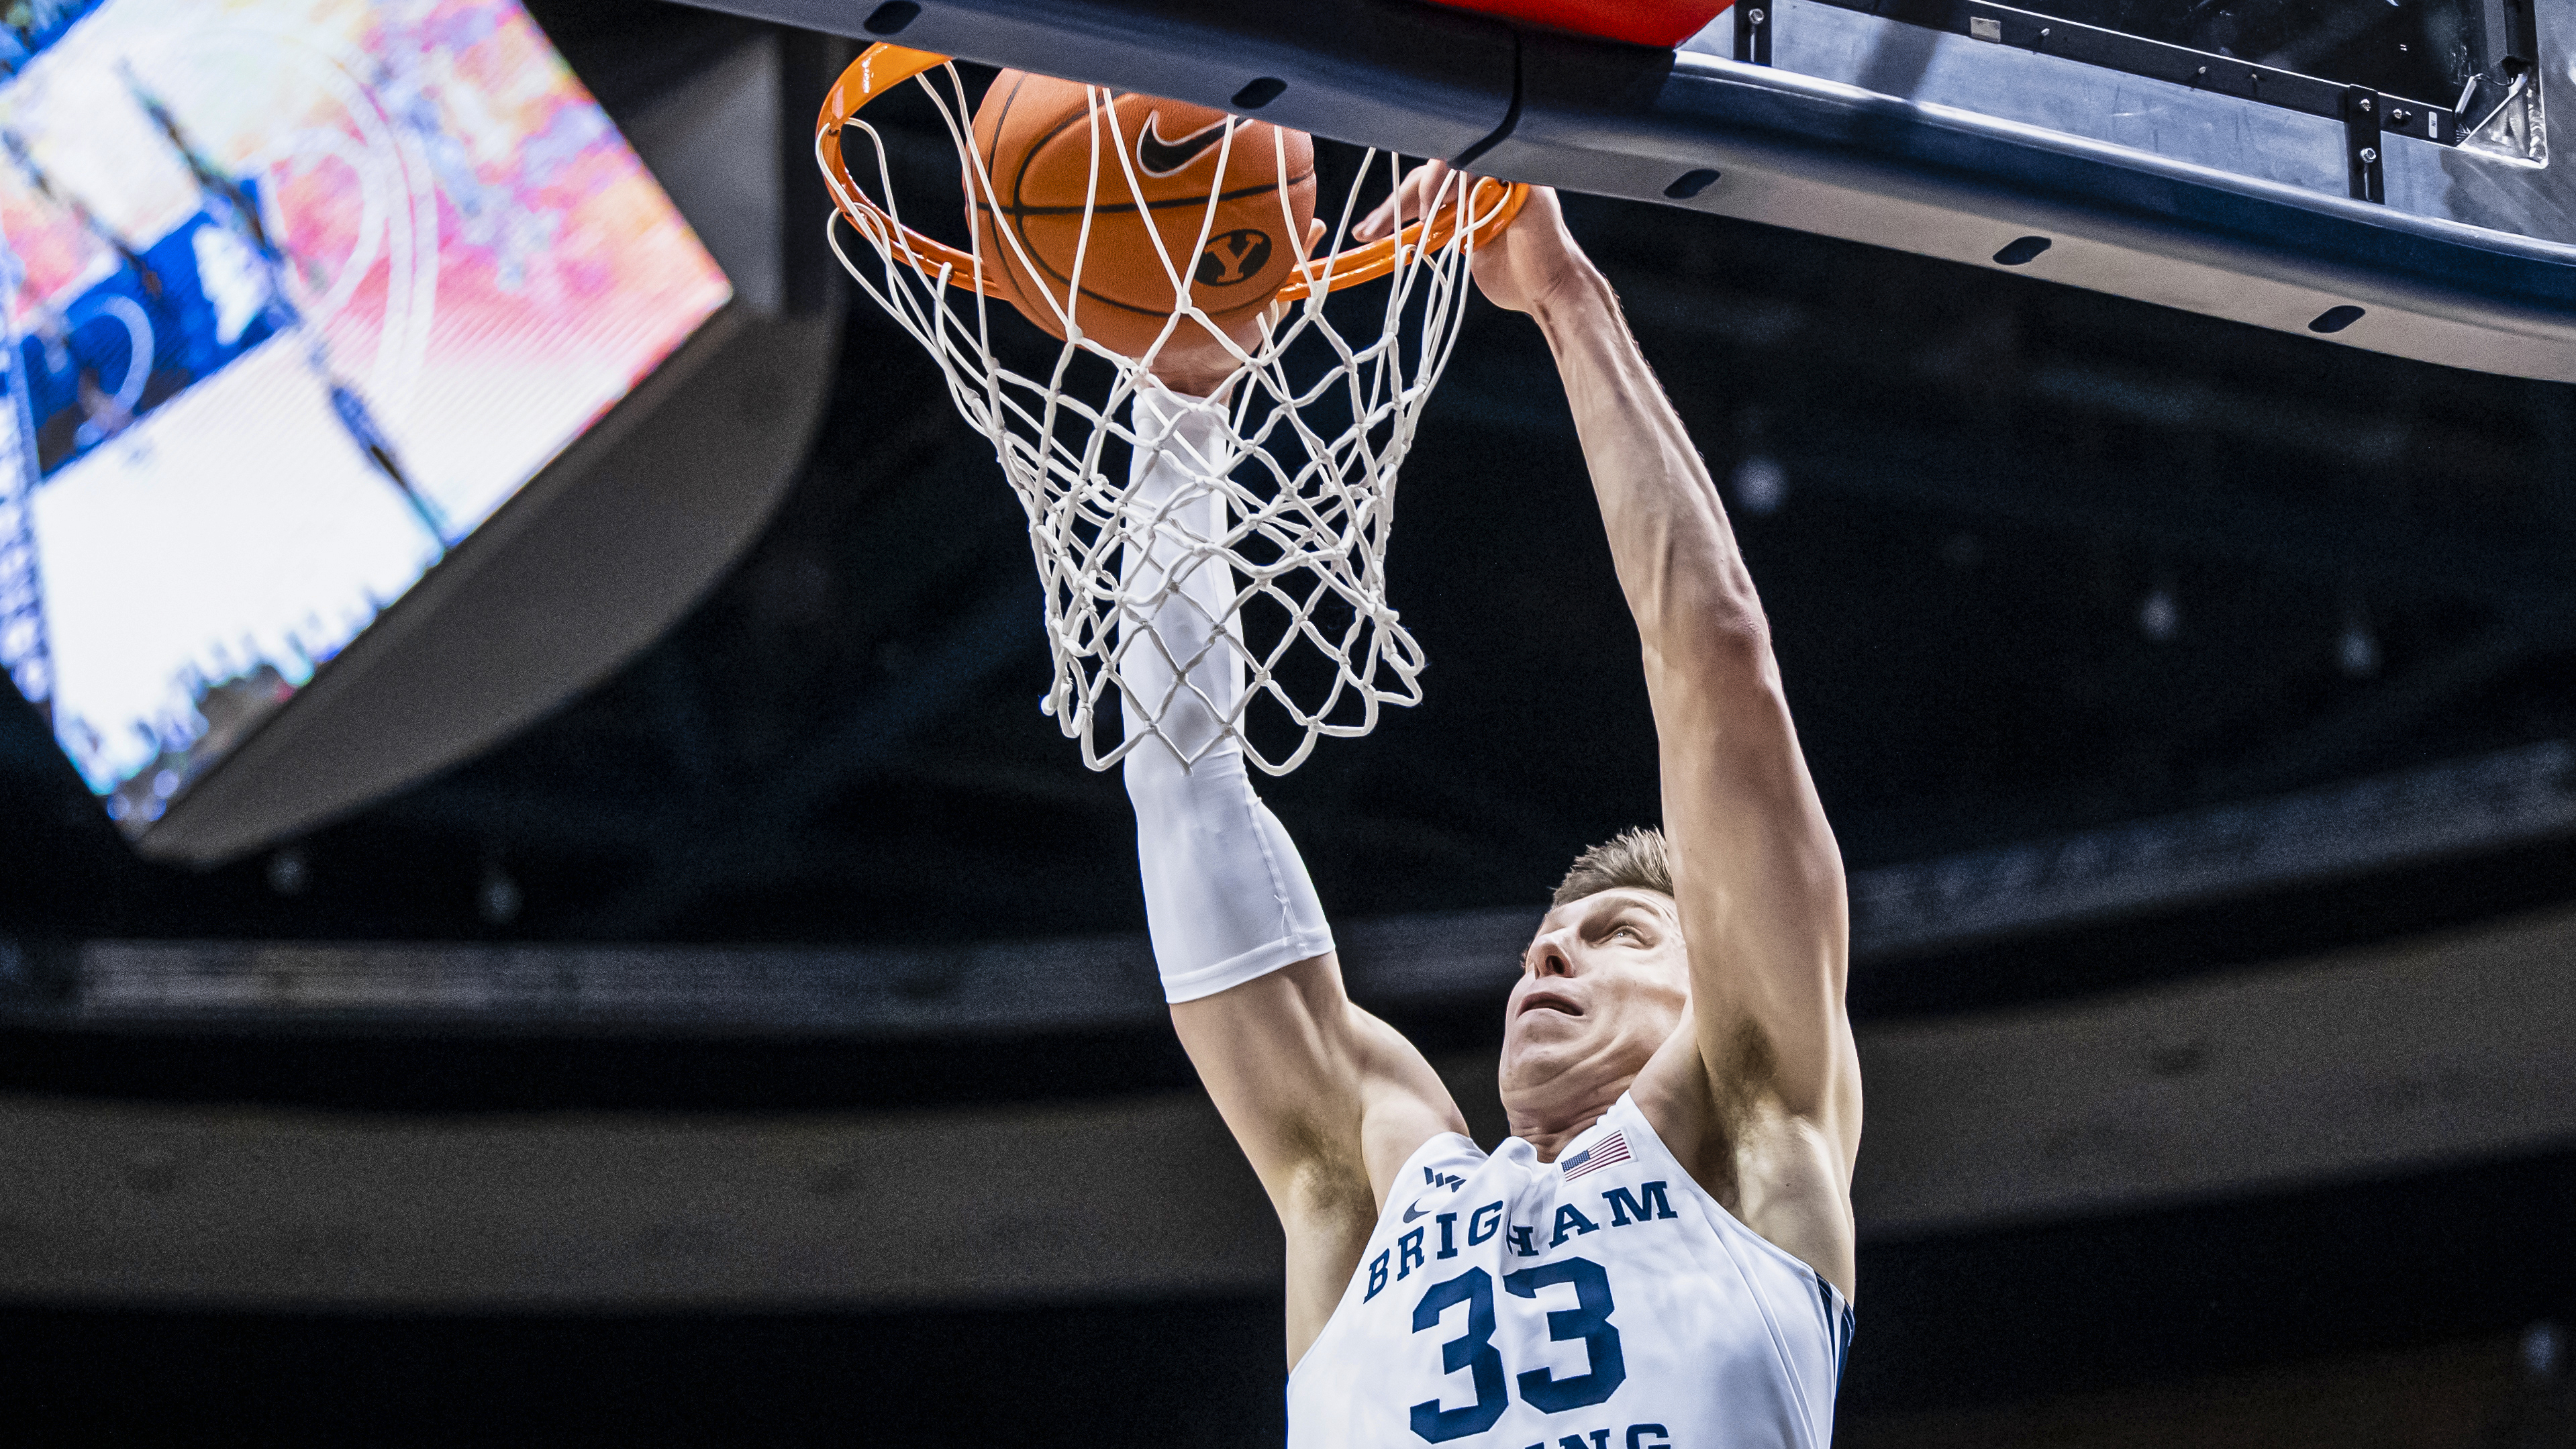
(299, 293)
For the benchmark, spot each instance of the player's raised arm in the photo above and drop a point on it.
(1763, 1090)
(1326, 1100)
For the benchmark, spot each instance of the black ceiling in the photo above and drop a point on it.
(2036, 559)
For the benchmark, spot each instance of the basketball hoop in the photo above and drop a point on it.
(1317, 415)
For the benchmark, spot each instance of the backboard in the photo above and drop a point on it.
(2371, 173)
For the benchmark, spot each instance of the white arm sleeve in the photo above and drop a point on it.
(1226, 896)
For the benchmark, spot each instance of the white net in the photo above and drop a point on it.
(1286, 580)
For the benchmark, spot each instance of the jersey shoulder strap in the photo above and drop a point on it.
(1443, 1163)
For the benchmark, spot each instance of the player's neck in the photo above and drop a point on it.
(1552, 1117)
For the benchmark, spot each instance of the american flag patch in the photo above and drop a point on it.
(1610, 1149)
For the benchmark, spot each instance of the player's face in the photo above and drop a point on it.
(1602, 985)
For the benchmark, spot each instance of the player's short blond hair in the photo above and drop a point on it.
(1634, 859)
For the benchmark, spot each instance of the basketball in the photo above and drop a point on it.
(1037, 136)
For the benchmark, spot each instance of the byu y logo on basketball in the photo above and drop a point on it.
(1236, 256)
(1159, 157)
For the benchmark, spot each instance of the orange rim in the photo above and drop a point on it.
(881, 67)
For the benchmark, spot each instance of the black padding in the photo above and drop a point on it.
(1414, 78)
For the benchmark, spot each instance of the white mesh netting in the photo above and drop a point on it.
(1286, 581)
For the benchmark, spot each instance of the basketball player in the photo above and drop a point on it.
(1661, 1254)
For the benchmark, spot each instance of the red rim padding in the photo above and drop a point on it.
(1664, 23)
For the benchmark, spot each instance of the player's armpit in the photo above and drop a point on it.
(1327, 1102)
(1308, 1083)
(1785, 1174)
(1792, 1180)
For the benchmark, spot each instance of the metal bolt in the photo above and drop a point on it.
(1757, 17)
(2399, 116)
(2369, 154)
(2365, 103)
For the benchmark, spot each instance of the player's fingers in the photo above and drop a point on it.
(1378, 222)
(1453, 185)
(1429, 186)
(1406, 204)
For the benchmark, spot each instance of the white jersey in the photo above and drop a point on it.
(1602, 1301)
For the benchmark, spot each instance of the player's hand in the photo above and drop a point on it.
(1534, 259)
(1194, 362)
(1519, 269)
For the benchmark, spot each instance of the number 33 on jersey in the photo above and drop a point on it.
(1602, 1301)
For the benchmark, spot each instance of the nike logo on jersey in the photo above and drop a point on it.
(1159, 157)
(1448, 1182)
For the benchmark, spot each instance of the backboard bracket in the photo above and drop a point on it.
(2364, 110)
(2154, 59)
(1753, 31)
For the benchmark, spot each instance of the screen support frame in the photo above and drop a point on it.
(2365, 114)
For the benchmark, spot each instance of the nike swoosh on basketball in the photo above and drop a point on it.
(1159, 157)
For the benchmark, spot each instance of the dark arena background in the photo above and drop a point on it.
(762, 1046)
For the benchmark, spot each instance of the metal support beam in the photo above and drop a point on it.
(736, 840)
(2338, 832)
(2523, 578)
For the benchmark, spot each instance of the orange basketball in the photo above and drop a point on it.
(1037, 135)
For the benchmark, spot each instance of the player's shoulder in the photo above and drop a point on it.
(1404, 1103)
(1785, 1177)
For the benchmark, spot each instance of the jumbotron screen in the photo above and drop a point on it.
(299, 292)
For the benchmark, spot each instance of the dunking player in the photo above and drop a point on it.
(1661, 1254)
